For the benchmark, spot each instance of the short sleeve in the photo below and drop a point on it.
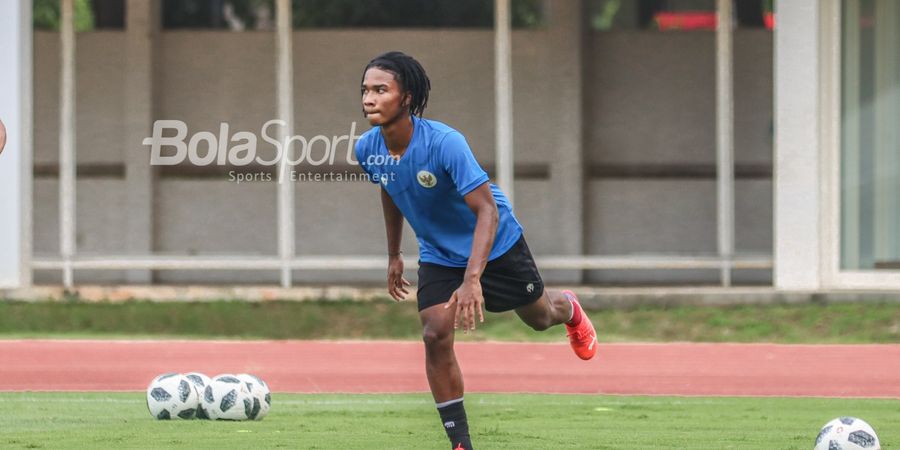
(361, 158)
(459, 162)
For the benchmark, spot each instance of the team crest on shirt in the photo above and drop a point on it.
(426, 179)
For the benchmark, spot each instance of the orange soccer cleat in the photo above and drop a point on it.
(582, 336)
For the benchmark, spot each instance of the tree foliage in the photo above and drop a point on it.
(46, 15)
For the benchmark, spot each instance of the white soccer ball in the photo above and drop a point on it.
(262, 397)
(227, 398)
(199, 381)
(847, 433)
(171, 396)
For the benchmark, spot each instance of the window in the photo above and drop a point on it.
(870, 138)
(235, 15)
(241, 15)
(675, 15)
(89, 14)
(411, 13)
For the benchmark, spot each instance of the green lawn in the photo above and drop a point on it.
(384, 319)
(532, 421)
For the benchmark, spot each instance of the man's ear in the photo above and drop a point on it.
(407, 100)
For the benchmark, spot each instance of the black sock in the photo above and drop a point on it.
(453, 416)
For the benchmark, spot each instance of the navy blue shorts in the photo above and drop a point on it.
(508, 282)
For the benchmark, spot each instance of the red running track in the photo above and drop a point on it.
(380, 366)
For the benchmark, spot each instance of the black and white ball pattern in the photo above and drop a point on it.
(847, 433)
(227, 398)
(262, 396)
(199, 381)
(172, 396)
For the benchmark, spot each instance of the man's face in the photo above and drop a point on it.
(2, 136)
(382, 101)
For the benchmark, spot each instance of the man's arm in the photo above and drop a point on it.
(468, 299)
(393, 225)
(481, 202)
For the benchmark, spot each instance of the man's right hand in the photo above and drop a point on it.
(396, 283)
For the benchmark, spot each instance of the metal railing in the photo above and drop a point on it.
(363, 262)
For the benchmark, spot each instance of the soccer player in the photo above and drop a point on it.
(472, 254)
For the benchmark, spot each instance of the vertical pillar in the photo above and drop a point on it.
(503, 99)
(141, 28)
(285, 99)
(15, 160)
(566, 33)
(67, 159)
(725, 138)
(797, 178)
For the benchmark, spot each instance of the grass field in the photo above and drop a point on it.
(384, 319)
(527, 421)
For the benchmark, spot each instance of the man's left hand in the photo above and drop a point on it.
(467, 299)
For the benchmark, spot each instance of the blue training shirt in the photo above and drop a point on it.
(428, 184)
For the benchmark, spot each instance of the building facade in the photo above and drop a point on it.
(737, 155)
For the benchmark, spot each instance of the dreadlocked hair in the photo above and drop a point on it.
(410, 75)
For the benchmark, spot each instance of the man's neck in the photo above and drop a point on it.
(397, 135)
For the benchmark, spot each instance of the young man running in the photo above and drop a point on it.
(472, 254)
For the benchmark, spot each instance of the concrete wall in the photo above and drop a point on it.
(99, 95)
(653, 105)
(648, 99)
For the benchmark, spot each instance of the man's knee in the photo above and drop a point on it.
(436, 338)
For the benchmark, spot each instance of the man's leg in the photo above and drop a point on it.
(556, 307)
(443, 373)
(441, 367)
(552, 308)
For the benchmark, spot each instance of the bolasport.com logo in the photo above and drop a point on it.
(170, 145)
